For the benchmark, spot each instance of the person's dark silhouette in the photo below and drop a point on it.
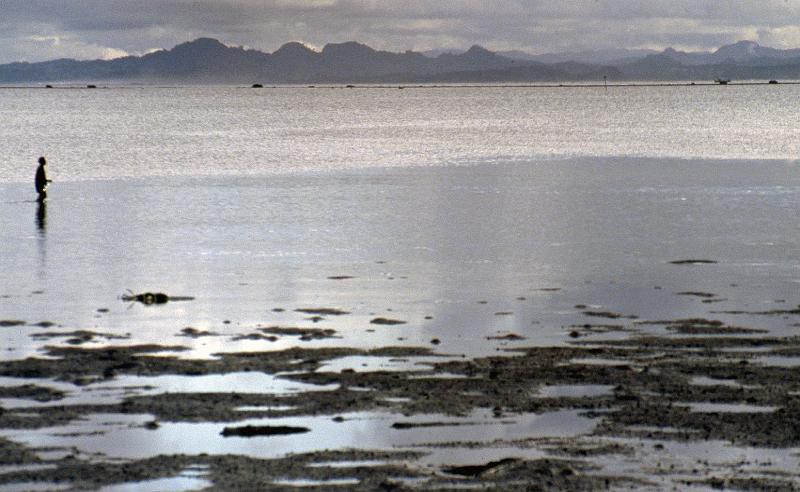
(41, 215)
(41, 180)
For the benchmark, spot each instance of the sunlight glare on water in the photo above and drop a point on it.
(132, 132)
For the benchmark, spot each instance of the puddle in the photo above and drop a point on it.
(575, 391)
(234, 382)
(266, 408)
(33, 487)
(397, 399)
(707, 381)
(359, 363)
(597, 362)
(777, 360)
(176, 484)
(358, 430)
(726, 408)
(736, 350)
(347, 464)
(439, 375)
(337, 482)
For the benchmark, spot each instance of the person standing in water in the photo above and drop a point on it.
(41, 180)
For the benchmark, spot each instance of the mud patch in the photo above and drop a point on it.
(7, 323)
(387, 321)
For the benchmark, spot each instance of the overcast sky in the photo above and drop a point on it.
(35, 30)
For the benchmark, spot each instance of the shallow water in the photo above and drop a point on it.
(102, 433)
(458, 253)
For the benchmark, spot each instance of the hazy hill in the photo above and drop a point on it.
(207, 60)
(741, 53)
(605, 57)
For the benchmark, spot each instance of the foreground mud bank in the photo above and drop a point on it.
(671, 403)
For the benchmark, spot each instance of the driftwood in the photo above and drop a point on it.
(149, 298)
(263, 430)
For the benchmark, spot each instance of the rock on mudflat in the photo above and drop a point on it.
(262, 430)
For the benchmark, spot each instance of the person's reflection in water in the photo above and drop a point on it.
(41, 238)
(41, 216)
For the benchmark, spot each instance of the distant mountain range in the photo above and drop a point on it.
(207, 61)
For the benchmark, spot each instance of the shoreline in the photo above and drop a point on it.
(411, 85)
(378, 170)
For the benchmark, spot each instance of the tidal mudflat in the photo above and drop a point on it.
(500, 326)
(648, 410)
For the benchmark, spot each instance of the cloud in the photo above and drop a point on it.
(97, 28)
(44, 47)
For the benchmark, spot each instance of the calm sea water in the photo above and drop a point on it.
(135, 132)
(250, 200)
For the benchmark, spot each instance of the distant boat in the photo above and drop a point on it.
(722, 81)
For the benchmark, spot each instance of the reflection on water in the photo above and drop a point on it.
(41, 215)
(115, 391)
(41, 239)
(174, 484)
(443, 249)
(357, 430)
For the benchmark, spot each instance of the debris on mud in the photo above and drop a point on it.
(706, 295)
(78, 337)
(606, 314)
(192, 332)
(149, 298)
(305, 334)
(322, 311)
(701, 326)
(508, 336)
(693, 262)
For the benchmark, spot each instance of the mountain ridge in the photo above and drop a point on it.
(207, 60)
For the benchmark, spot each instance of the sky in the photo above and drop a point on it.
(36, 30)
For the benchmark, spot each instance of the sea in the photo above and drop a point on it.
(465, 212)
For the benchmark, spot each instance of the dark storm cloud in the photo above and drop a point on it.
(40, 29)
